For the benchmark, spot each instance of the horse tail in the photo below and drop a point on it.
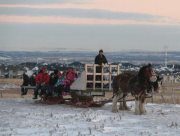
(115, 85)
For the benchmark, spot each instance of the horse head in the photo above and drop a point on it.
(147, 74)
(157, 84)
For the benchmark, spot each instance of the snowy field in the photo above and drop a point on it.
(23, 117)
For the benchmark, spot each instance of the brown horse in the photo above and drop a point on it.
(136, 83)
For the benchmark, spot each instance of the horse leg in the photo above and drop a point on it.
(137, 106)
(115, 100)
(125, 104)
(142, 105)
(114, 106)
(121, 106)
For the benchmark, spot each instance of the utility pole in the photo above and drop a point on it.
(165, 59)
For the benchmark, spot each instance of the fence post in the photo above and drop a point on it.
(102, 76)
(110, 76)
(86, 75)
(94, 76)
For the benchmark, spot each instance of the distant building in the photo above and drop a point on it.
(11, 73)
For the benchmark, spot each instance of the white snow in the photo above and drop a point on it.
(24, 117)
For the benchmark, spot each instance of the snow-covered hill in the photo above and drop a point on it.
(23, 117)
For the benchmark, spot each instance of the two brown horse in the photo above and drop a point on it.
(136, 83)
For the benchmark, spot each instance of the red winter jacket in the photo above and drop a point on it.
(42, 78)
(70, 75)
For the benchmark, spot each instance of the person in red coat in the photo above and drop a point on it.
(42, 81)
(71, 75)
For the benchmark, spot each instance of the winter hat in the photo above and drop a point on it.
(100, 50)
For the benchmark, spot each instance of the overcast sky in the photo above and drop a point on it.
(89, 25)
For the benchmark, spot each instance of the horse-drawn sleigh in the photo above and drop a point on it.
(90, 84)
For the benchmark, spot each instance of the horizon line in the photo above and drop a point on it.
(126, 50)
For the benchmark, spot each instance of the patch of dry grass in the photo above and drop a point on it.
(17, 82)
(170, 93)
(14, 92)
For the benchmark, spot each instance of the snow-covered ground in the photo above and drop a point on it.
(23, 117)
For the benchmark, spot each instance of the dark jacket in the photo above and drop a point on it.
(32, 80)
(25, 80)
(53, 79)
(100, 59)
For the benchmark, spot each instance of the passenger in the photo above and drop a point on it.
(59, 87)
(42, 82)
(54, 77)
(53, 80)
(25, 83)
(32, 80)
(71, 75)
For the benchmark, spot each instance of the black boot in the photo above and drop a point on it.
(36, 93)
